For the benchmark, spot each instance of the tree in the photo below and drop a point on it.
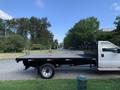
(55, 44)
(117, 23)
(35, 30)
(82, 34)
(2, 28)
(14, 43)
(116, 33)
(39, 31)
(12, 25)
(23, 27)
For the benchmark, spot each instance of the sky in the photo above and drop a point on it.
(62, 14)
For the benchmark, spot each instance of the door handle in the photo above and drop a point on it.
(102, 55)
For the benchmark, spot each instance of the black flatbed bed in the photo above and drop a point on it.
(45, 62)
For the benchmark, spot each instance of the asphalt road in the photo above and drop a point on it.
(10, 70)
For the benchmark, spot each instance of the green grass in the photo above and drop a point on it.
(38, 85)
(113, 84)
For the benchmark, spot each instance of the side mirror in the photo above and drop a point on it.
(118, 50)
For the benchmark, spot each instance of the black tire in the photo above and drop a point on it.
(47, 71)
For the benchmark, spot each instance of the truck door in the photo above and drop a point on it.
(108, 56)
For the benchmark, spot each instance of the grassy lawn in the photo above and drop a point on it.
(59, 85)
(14, 55)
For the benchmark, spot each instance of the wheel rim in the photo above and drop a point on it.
(47, 72)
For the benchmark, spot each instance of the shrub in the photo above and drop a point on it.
(38, 47)
(14, 43)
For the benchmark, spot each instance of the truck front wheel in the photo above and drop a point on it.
(47, 71)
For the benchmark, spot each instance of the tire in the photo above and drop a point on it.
(47, 71)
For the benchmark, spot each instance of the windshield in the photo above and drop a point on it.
(107, 44)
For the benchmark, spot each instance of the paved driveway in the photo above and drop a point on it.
(10, 70)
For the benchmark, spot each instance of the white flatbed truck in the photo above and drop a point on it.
(105, 58)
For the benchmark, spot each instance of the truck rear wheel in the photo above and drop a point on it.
(47, 71)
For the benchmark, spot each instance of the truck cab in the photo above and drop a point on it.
(108, 56)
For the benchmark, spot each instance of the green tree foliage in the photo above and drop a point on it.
(117, 23)
(2, 28)
(112, 36)
(116, 33)
(39, 31)
(22, 27)
(86, 32)
(33, 30)
(82, 35)
(14, 43)
(55, 44)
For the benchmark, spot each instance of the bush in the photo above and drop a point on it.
(38, 47)
(1, 44)
(14, 43)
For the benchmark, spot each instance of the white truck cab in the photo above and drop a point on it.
(108, 56)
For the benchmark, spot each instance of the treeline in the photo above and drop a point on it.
(25, 33)
(85, 33)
